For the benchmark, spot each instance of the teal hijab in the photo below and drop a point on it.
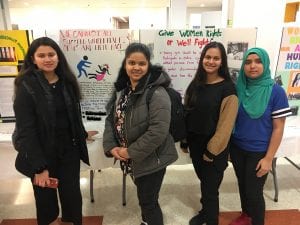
(254, 94)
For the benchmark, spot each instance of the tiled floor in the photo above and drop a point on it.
(179, 195)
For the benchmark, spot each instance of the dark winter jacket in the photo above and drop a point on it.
(150, 146)
(36, 120)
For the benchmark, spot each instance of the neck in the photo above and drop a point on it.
(133, 85)
(213, 78)
(51, 77)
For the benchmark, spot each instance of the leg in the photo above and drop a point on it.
(92, 185)
(238, 160)
(148, 188)
(46, 205)
(211, 176)
(254, 189)
(69, 188)
(275, 179)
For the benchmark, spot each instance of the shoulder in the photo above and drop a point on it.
(228, 88)
(278, 90)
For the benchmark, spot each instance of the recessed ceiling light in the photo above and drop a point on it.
(202, 5)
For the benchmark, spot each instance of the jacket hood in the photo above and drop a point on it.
(156, 76)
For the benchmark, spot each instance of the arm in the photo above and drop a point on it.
(265, 164)
(219, 141)
(28, 132)
(109, 140)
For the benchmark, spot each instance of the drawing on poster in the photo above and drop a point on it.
(293, 90)
(236, 50)
(82, 65)
(99, 75)
(234, 73)
(278, 80)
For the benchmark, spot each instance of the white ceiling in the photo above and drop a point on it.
(108, 3)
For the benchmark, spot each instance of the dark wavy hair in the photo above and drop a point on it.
(200, 77)
(63, 69)
(123, 79)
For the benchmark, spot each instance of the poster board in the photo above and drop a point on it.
(95, 56)
(179, 50)
(288, 66)
(13, 47)
(6, 99)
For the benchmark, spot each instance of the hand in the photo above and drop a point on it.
(116, 153)
(124, 153)
(91, 133)
(263, 167)
(205, 158)
(185, 150)
(41, 179)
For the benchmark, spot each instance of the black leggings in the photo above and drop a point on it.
(67, 170)
(250, 186)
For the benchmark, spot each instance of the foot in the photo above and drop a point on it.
(243, 219)
(198, 219)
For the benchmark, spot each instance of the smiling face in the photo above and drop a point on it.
(253, 66)
(212, 61)
(46, 59)
(136, 66)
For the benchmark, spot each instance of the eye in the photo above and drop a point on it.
(51, 54)
(247, 62)
(131, 63)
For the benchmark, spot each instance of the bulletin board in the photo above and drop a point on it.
(287, 72)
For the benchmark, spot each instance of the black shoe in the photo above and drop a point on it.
(198, 219)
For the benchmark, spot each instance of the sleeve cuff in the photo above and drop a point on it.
(209, 154)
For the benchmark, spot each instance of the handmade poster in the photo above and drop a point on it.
(6, 97)
(179, 50)
(13, 47)
(288, 66)
(95, 56)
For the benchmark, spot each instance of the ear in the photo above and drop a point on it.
(33, 60)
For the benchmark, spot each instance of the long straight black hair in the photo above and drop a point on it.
(200, 77)
(63, 69)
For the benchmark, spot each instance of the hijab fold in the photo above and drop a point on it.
(254, 94)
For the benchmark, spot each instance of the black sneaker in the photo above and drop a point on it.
(198, 219)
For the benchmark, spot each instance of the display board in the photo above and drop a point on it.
(6, 98)
(179, 50)
(13, 47)
(288, 66)
(95, 56)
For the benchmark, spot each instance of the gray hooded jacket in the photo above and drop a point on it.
(150, 146)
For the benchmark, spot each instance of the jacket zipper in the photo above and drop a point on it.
(130, 120)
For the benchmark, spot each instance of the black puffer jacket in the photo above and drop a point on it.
(150, 146)
(36, 119)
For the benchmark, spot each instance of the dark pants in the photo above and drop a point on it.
(250, 186)
(148, 188)
(210, 175)
(67, 170)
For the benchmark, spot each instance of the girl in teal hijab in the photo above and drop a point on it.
(254, 93)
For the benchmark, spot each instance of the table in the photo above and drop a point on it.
(290, 146)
